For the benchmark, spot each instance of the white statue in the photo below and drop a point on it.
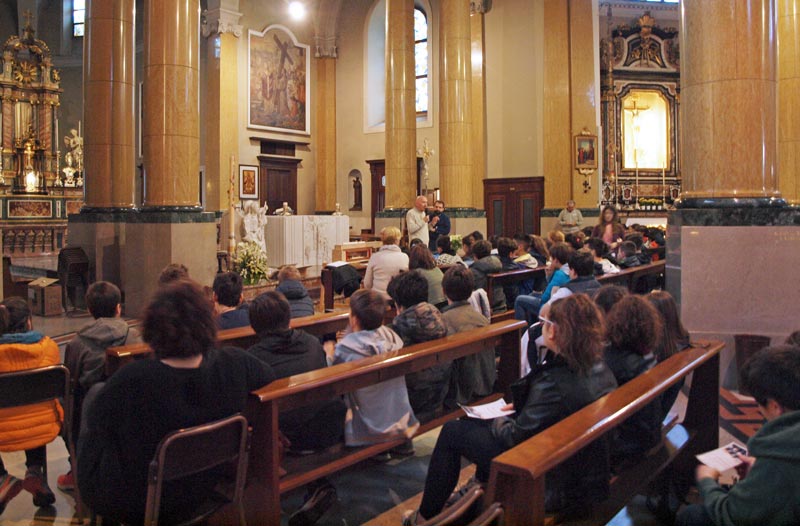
(69, 171)
(74, 144)
(338, 210)
(285, 210)
(254, 219)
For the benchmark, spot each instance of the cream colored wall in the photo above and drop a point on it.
(258, 15)
(514, 88)
(354, 145)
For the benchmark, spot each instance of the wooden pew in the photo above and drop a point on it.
(518, 475)
(629, 277)
(264, 490)
(509, 277)
(326, 277)
(244, 337)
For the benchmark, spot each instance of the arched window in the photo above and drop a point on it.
(421, 60)
(78, 17)
(375, 66)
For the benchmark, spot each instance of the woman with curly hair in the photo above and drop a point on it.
(190, 382)
(571, 376)
(634, 330)
(609, 228)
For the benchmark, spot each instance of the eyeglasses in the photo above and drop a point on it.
(543, 321)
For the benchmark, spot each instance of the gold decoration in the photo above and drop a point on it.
(25, 72)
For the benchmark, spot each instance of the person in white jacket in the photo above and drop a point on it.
(417, 221)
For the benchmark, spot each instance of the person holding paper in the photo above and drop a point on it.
(572, 376)
(769, 492)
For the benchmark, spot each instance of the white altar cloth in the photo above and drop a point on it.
(304, 240)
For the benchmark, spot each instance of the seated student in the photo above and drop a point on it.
(556, 236)
(447, 256)
(473, 376)
(380, 412)
(608, 295)
(307, 428)
(581, 274)
(674, 339)
(638, 241)
(190, 382)
(466, 249)
(85, 355)
(506, 247)
(628, 257)
(418, 321)
(522, 253)
(422, 261)
(387, 262)
(485, 264)
(527, 307)
(572, 376)
(172, 272)
(768, 491)
(634, 328)
(296, 294)
(229, 305)
(599, 250)
(575, 240)
(31, 427)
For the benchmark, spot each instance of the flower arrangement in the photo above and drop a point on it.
(650, 203)
(455, 242)
(250, 262)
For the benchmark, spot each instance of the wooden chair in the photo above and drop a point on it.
(43, 384)
(194, 450)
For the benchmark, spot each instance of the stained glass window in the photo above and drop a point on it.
(78, 17)
(421, 59)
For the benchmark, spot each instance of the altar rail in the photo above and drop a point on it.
(33, 239)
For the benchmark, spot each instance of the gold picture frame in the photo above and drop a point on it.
(248, 181)
(584, 152)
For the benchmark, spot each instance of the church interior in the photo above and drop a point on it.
(139, 133)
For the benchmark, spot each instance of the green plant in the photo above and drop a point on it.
(250, 262)
(455, 242)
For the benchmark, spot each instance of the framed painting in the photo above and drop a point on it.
(248, 181)
(278, 78)
(585, 152)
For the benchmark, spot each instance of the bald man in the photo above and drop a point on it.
(417, 220)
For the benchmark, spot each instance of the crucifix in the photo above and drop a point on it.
(284, 47)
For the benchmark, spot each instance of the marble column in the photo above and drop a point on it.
(731, 213)
(171, 128)
(728, 92)
(108, 104)
(401, 121)
(455, 111)
(789, 99)
(325, 129)
(222, 30)
(478, 101)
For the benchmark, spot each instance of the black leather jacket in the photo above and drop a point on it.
(547, 395)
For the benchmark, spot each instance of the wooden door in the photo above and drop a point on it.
(277, 182)
(513, 205)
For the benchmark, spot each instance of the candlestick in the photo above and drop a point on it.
(231, 210)
(664, 181)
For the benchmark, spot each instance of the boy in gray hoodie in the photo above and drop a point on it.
(85, 355)
(380, 412)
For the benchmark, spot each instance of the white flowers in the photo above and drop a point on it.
(250, 262)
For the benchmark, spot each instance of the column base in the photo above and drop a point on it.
(730, 202)
(131, 247)
(712, 272)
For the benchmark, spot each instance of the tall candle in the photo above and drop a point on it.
(231, 210)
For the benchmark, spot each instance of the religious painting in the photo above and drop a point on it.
(30, 208)
(248, 181)
(585, 152)
(278, 81)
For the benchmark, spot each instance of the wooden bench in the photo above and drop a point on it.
(244, 337)
(630, 277)
(518, 475)
(510, 277)
(264, 490)
(326, 277)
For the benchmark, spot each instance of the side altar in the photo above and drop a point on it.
(304, 240)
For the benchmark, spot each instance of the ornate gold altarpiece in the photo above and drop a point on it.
(34, 204)
(640, 63)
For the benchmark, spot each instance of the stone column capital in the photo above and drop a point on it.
(325, 47)
(221, 20)
(480, 6)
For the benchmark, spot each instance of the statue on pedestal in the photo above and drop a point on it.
(285, 210)
(254, 219)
